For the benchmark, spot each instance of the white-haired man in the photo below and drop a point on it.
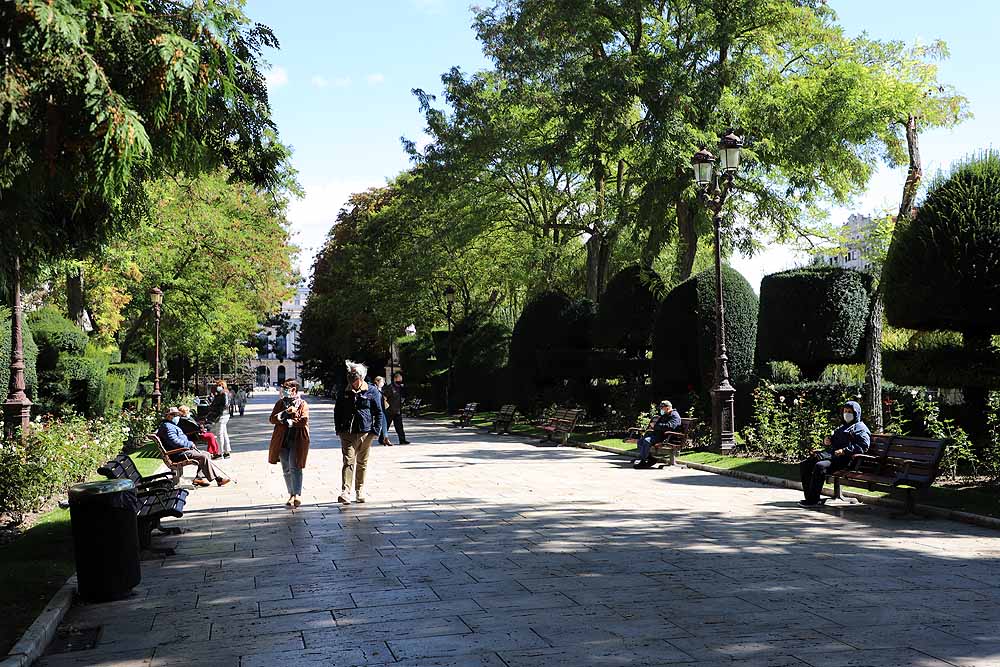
(357, 417)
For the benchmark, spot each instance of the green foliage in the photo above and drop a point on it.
(959, 456)
(626, 311)
(943, 267)
(30, 356)
(130, 373)
(56, 336)
(990, 460)
(790, 421)
(478, 370)
(56, 454)
(684, 335)
(943, 366)
(813, 317)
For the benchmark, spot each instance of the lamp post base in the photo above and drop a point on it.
(16, 415)
(723, 418)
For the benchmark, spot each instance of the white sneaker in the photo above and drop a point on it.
(343, 499)
(360, 495)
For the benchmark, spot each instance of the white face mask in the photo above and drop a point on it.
(218, 389)
(176, 419)
(848, 417)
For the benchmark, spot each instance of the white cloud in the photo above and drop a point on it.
(276, 77)
(319, 81)
(376, 79)
(341, 81)
(312, 216)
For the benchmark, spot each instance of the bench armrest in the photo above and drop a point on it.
(857, 459)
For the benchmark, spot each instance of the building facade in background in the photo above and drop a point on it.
(277, 343)
(853, 247)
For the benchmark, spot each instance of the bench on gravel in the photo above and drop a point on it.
(676, 440)
(504, 419)
(412, 407)
(123, 467)
(894, 462)
(466, 414)
(561, 424)
(176, 468)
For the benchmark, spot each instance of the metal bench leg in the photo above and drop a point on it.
(673, 456)
(910, 507)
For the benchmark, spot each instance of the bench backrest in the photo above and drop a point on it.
(565, 417)
(506, 412)
(163, 450)
(923, 454)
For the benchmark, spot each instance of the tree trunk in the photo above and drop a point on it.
(687, 241)
(74, 296)
(872, 393)
(976, 398)
(599, 248)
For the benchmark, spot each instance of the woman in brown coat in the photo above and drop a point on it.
(290, 440)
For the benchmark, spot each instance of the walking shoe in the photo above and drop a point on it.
(810, 503)
(216, 456)
(201, 482)
(359, 496)
(343, 499)
(226, 455)
(297, 502)
(404, 442)
(223, 481)
(288, 503)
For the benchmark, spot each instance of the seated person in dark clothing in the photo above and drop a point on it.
(173, 438)
(669, 420)
(197, 432)
(852, 437)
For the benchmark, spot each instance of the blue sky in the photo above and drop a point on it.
(340, 87)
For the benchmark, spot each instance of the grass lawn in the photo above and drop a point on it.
(35, 565)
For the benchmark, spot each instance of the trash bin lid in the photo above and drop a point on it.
(88, 489)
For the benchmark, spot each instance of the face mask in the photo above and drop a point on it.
(286, 393)
(663, 411)
(176, 419)
(848, 417)
(218, 389)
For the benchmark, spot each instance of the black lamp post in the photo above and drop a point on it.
(449, 297)
(17, 407)
(713, 195)
(156, 296)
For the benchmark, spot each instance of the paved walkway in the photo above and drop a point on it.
(482, 551)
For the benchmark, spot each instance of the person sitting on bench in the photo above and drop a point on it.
(852, 437)
(195, 431)
(173, 437)
(669, 420)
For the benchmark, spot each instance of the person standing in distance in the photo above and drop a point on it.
(357, 418)
(383, 431)
(394, 396)
(290, 439)
(218, 417)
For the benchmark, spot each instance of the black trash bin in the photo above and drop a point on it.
(105, 539)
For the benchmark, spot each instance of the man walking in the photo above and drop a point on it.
(394, 395)
(357, 418)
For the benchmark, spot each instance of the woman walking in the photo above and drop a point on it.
(290, 439)
(218, 416)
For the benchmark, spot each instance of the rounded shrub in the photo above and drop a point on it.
(626, 311)
(55, 336)
(813, 317)
(480, 355)
(943, 267)
(684, 334)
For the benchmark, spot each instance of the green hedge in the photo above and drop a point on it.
(481, 349)
(30, 357)
(131, 373)
(549, 350)
(56, 336)
(626, 311)
(943, 268)
(945, 366)
(684, 336)
(813, 317)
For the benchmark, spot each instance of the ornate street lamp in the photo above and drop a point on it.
(713, 196)
(17, 407)
(449, 298)
(156, 296)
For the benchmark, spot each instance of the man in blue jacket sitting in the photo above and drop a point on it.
(852, 437)
(173, 438)
(669, 420)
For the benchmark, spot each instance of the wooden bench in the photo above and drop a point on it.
(176, 468)
(412, 407)
(894, 462)
(466, 414)
(122, 467)
(504, 419)
(635, 432)
(154, 507)
(561, 424)
(676, 440)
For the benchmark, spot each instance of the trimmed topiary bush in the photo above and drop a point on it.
(684, 335)
(131, 373)
(813, 317)
(627, 310)
(30, 357)
(55, 336)
(481, 349)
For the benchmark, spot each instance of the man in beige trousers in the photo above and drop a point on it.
(357, 417)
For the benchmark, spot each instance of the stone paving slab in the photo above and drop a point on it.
(482, 551)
